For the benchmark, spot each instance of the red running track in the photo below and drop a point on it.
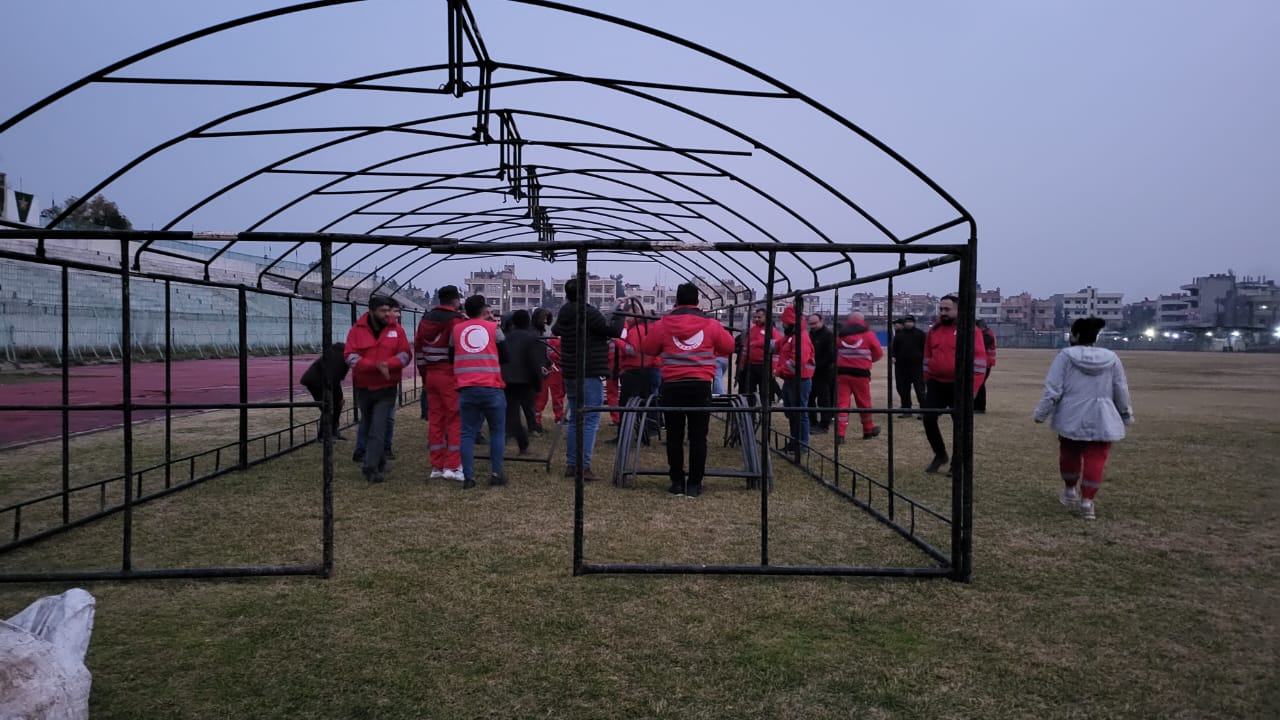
(194, 381)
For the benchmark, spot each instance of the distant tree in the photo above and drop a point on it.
(99, 213)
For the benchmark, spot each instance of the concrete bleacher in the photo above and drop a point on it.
(204, 319)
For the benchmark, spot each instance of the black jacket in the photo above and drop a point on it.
(331, 367)
(599, 331)
(526, 354)
(824, 350)
(908, 348)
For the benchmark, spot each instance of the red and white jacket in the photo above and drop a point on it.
(364, 351)
(756, 338)
(431, 342)
(940, 355)
(633, 357)
(688, 342)
(476, 361)
(784, 358)
(856, 349)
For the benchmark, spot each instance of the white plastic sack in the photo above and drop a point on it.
(42, 671)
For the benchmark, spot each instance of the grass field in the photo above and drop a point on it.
(447, 604)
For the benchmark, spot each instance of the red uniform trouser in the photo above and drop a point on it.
(552, 387)
(860, 389)
(611, 398)
(444, 424)
(1083, 461)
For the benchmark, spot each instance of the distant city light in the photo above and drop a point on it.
(1149, 332)
(1209, 334)
(1235, 333)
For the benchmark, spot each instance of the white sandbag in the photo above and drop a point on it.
(42, 648)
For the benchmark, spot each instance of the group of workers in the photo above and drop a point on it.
(476, 372)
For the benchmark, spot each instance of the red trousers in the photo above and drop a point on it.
(552, 387)
(1083, 461)
(444, 424)
(611, 398)
(860, 389)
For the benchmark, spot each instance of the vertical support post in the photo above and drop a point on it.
(579, 434)
(766, 409)
(243, 312)
(126, 392)
(326, 335)
(962, 418)
(168, 383)
(66, 397)
(889, 360)
(835, 396)
(291, 380)
(798, 448)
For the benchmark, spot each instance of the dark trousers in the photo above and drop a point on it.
(756, 380)
(375, 418)
(687, 393)
(906, 379)
(317, 394)
(822, 394)
(520, 403)
(937, 395)
(980, 400)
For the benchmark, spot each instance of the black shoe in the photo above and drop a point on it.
(839, 440)
(976, 411)
(938, 462)
(819, 430)
(789, 447)
(677, 488)
(571, 471)
(497, 479)
(694, 490)
(951, 472)
(374, 476)
(357, 457)
(480, 438)
(468, 483)
(537, 430)
(875, 432)
(389, 454)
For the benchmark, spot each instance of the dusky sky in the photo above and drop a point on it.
(1124, 145)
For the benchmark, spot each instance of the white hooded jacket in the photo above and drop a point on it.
(1087, 395)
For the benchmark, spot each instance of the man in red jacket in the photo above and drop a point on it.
(477, 349)
(376, 351)
(688, 342)
(552, 378)
(940, 374)
(988, 344)
(755, 377)
(637, 379)
(444, 425)
(856, 349)
(794, 363)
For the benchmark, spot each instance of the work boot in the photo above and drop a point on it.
(872, 433)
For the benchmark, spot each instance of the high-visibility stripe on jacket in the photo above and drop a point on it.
(364, 350)
(688, 342)
(431, 342)
(856, 349)
(475, 354)
(940, 355)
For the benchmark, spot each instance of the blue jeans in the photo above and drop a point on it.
(717, 385)
(594, 395)
(795, 393)
(477, 405)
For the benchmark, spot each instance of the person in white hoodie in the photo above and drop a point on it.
(1087, 397)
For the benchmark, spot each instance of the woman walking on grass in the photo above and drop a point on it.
(1086, 395)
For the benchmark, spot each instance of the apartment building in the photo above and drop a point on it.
(504, 290)
(1091, 302)
(602, 293)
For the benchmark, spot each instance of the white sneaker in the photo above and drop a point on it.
(454, 474)
(1087, 511)
(436, 473)
(1069, 497)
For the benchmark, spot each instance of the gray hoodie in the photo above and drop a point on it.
(1086, 394)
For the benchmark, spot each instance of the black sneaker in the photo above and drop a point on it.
(357, 457)
(694, 490)
(676, 489)
(938, 462)
(468, 483)
(875, 432)
(497, 479)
